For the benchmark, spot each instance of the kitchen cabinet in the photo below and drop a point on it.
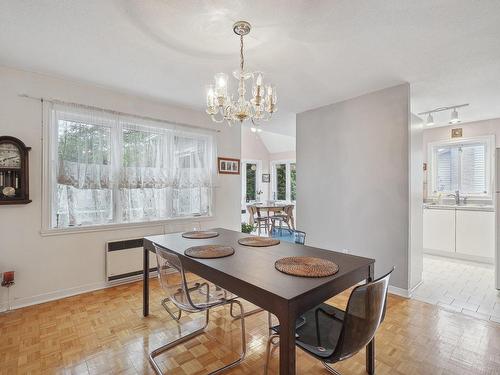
(475, 233)
(439, 230)
(466, 234)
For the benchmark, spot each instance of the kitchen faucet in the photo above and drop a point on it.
(456, 196)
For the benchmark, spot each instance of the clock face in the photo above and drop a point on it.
(10, 156)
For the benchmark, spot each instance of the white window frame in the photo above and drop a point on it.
(49, 161)
(487, 140)
(288, 163)
(258, 178)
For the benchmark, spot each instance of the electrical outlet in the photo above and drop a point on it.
(8, 278)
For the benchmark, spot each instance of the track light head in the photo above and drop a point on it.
(430, 120)
(454, 117)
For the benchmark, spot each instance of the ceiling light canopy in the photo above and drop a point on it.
(224, 107)
(454, 119)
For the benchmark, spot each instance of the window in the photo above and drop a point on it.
(283, 180)
(110, 169)
(251, 182)
(251, 176)
(463, 166)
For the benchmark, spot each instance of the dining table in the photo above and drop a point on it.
(270, 206)
(250, 274)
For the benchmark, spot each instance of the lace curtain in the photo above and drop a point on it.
(83, 166)
(117, 169)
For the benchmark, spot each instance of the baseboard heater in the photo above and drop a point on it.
(124, 260)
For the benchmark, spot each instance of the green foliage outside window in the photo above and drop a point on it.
(281, 182)
(77, 141)
(293, 181)
(251, 182)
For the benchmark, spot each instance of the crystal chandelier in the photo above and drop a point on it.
(223, 107)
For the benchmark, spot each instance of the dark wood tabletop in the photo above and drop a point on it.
(250, 274)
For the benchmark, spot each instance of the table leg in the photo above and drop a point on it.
(287, 344)
(145, 283)
(370, 348)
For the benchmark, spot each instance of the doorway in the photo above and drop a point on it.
(459, 221)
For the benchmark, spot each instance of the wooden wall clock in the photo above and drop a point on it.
(14, 173)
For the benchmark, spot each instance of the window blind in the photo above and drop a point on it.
(461, 167)
(473, 169)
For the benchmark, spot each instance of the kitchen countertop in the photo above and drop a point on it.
(461, 207)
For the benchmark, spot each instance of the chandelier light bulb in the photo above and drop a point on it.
(210, 95)
(253, 129)
(258, 81)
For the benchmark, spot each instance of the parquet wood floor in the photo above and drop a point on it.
(103, 332)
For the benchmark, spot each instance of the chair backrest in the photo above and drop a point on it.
(289, 210)
(364, 313)
(289, 235)
(251, 214)
(173, 279)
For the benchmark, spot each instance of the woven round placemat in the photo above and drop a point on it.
(258, 241)
(209, 251)
(200, 234)
(306, 266)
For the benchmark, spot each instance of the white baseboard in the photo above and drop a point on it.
(399, 291)
(406, 293)
(414, 288)
(460, 256)
(52, 296)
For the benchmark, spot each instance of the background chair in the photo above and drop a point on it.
(256, 220)
(331, 334)
(190, 297)
(286, 217)
(289, 235)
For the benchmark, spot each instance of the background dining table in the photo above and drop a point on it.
(250, 273)
(269, 207)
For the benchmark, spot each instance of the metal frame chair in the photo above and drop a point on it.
(192, 298)
(332, 335)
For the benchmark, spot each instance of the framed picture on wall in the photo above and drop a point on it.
(228, 165)
(266, 177)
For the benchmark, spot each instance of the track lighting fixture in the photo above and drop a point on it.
(454, 119)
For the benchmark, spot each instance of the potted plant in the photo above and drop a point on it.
(246, 228)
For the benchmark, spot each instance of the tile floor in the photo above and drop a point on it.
(460, 286)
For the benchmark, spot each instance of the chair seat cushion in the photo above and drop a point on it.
(319, 338)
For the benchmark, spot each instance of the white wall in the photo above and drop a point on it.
(287, 155)
(252, 148)
(353, 178)
(416, 260)
(51, 266)
(470, 129)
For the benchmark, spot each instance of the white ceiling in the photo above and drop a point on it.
(277, 142)
(316, 52)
